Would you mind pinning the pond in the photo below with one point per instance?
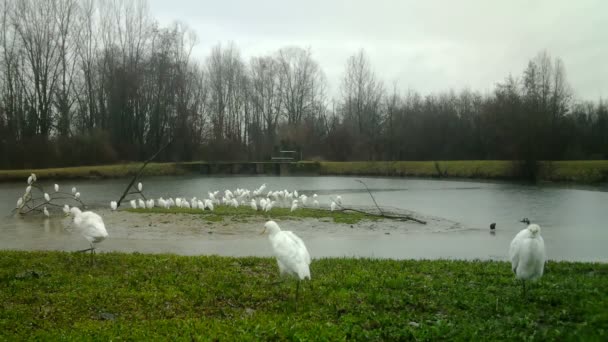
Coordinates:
(573, 219)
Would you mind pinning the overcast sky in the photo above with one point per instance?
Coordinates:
(427, 46)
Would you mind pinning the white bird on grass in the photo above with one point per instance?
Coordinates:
(200, 205)
(133, 204)
(294, 205)
(162, 203)
(332, 206)
(527, 253)
(291, 253)
(178, 202)
(113, 205)
(254, 205)
(30, 179)
(269, 206)
(91, 226)
(141, 203)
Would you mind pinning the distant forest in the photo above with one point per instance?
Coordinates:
(98, 82)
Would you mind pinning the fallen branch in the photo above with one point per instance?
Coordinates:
(372, 196)
(141, 169)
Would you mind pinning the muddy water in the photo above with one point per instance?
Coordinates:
(459, 213)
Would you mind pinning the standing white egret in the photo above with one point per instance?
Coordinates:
(141, 203)
(291, 253)
(47, 197)
(332, 206)
(209, 204)
(269, 206)
(527, 253)
(178, 202)
(133, 204)
(254, 205)
(140, 187)
(339, 200)
(30, 179)
(113, 205)
(45, 211)
(28, 189)
(73, 190)
(34, 177)
(294, 205)
(77, 195)
(56, 187)
(91, 226)
(66, 209)
(162, 203)
(20, 202)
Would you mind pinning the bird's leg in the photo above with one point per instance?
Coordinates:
(297, 291)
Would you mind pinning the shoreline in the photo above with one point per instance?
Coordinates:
(574, 171)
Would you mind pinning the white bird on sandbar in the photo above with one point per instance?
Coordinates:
(113, 205)
(91, 226)
(141, 203)
(254, 205)
(527, 253)
(291, 253)
(339, 200)
(178, 202)
(294, 205)
(133, 204)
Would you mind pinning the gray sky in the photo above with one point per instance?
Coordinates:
(427, 46)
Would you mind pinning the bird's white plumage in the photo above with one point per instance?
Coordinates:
(113, 205)
(133, 204)
(56, 187)
(527, 253)
(90, 225)
(46, 212)
(47, 197)
(77, 195)
(291, 252)
(140, 187)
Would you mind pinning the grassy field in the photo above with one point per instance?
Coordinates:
(580, 171)
(243, 213)
(59, 296)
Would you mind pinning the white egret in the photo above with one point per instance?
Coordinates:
(162, 203)
(303, 199)
(332, 206)
(201, 205)
(45, 211)
(113, 205)
(73, 190)
(254, 205)
(20, 202)
(178, 202)
(28, 189)
(294, 205)
(91, 226)
(235, 203)
(263, 203)
(269, 206)
(66, 209)
(133, 204)
(34, 177)
(209, 204)
(140, 187)
(141, 203)
(291, 253)
(150, 203)
(47, 197)
(339, 200)
(30, 179)
(527, 253)
(56, 187)
(77, 195)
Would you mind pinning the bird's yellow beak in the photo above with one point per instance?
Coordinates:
(263, 231)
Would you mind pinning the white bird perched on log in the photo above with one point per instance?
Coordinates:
(200, 204)
(47, 197)
(527, 253)
(66, 209)
(28, 189)
(91, 226)
(162, 203)
(150, 203)
(315, 203)
(56, 187)
(291, 253)
(20, 202)
(140, 187)
(113, 205)
(339, 200)
(254, 205)
(178, 202)
(45, 211)
(77, 195)
(73, 190)
(133, 204)
(30, 179)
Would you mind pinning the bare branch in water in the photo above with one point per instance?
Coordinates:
(372, 196)
(134, 179)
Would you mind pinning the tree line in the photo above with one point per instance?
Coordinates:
(96, 82)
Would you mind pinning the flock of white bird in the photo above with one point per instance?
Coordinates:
(527, 249)
(258, 199)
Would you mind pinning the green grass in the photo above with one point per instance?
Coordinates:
(580, 171)
(242, 213)
(58, 296)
